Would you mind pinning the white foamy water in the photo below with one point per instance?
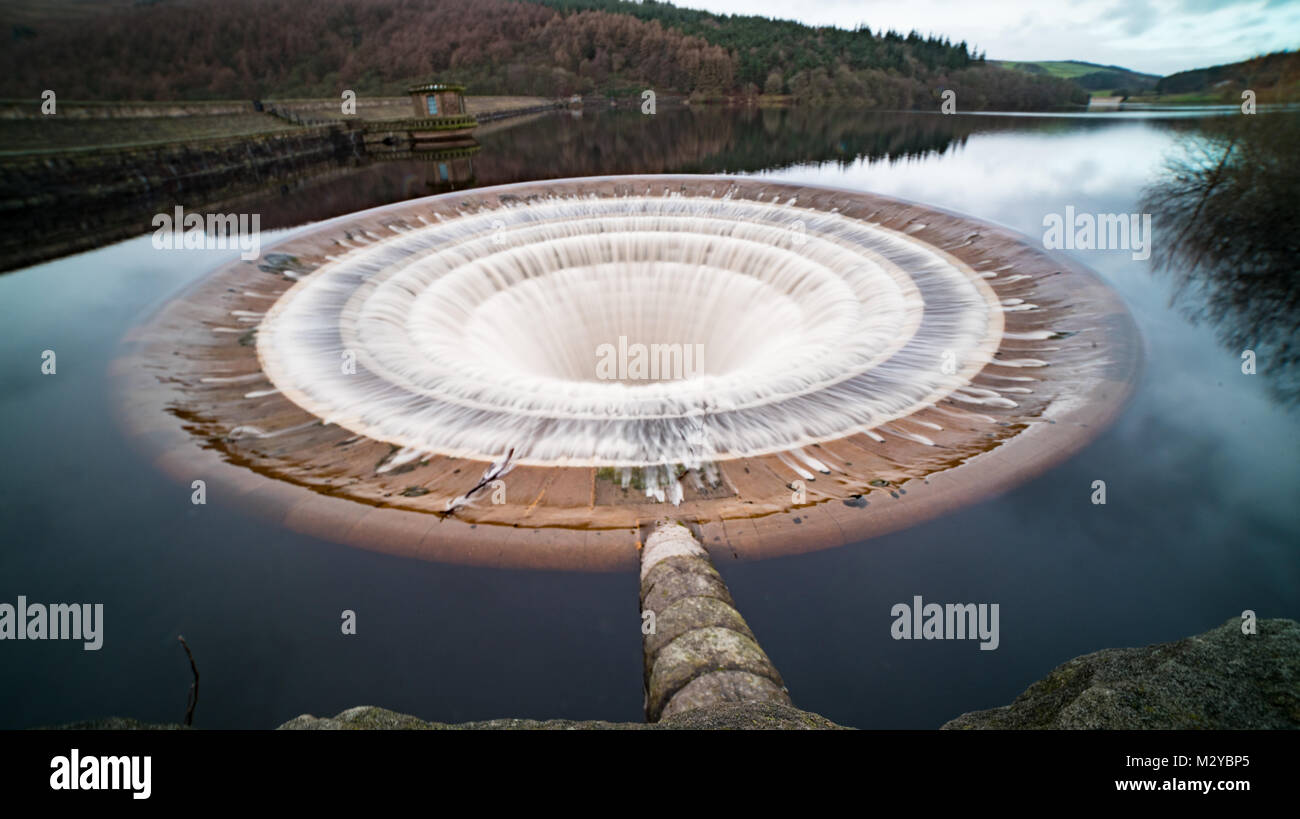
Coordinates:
(481, 335)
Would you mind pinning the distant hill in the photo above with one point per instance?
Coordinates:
(1090, 76)
(1273, 77)
(214, 49)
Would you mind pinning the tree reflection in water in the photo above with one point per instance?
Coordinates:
(1230, 238)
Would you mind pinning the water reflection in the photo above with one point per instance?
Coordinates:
(1230, 238)
(377, 179)
(71, 217)
(70, 214)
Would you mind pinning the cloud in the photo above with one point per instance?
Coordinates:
(1152, 36)
(1206, 6)
(1135, 16)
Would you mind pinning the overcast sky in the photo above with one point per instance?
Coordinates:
(1154, 36)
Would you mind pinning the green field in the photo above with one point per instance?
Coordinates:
(1098, 80)
(1065, 69)
(1190, 98)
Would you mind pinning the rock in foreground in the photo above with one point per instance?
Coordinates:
(731, 716)
(1221, 679)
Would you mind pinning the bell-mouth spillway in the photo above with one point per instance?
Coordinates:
(449, 377)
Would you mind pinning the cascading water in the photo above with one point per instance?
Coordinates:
(480, 335)
(797, 355)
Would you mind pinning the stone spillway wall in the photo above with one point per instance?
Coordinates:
(31, 109)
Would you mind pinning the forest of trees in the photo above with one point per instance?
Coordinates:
(761, 45)
(1275, 76)
(202, 49)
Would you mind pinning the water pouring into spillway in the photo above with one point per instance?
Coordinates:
(852, 363)
(480, 335)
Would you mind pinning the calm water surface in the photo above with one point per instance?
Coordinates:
(1202, 477)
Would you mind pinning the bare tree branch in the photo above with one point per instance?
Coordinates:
(193, 698)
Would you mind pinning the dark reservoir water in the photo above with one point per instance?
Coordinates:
(1202, 519)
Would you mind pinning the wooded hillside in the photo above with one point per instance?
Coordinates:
(200, 49)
